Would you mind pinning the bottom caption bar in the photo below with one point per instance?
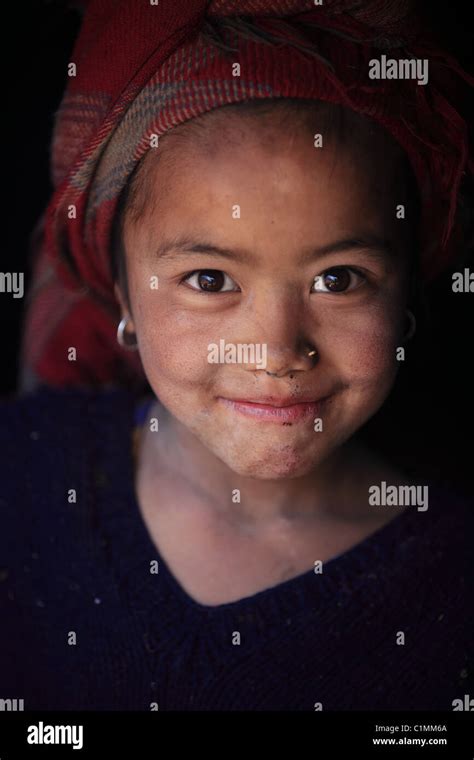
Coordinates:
(381, 734)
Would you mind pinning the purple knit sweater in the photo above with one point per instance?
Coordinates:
(84, 624)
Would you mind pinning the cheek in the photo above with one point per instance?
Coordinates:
(369, 351)
(362, 348)
(173, 344)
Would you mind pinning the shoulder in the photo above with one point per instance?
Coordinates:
(426, 552)
(32, 423)
(452, 517)
(38, 427)
(442, 530)
(440, 591)
(435, 557)
(50, 440)
(39, 406)
(56, 446)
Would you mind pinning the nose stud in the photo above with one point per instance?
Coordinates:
(312, 354)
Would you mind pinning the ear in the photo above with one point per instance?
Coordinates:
(124, 309)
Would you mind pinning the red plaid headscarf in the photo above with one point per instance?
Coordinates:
(142, 69)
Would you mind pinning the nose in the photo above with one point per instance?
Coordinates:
(286, 327)
(302, 363)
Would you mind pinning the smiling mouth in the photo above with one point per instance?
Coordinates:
(275, 410)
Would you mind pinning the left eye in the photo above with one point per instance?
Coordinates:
(210, 281)
(337, 280)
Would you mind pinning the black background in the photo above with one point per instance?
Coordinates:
(427, 423)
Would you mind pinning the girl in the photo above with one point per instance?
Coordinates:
(250, 212)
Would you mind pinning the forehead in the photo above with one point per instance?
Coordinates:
(277, 128)
(273, 154)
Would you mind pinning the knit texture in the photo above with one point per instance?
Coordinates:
(84, 568)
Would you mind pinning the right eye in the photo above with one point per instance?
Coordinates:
(210, 281)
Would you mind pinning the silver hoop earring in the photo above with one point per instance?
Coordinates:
(121, 339)
(411, 327)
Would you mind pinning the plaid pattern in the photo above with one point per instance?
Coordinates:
(143, 69)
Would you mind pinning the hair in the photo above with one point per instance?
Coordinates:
(336, 121)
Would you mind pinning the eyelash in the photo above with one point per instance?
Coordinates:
(204, 292)
(353, 270)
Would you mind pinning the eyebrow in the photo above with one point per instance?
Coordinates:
(373, 245)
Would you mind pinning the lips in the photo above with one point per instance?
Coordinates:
(274, 401)
(272, 409)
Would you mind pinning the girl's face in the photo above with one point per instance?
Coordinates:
(252, 236)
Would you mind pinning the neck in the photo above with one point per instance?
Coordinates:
(335, 490)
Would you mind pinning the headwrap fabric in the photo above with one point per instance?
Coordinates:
(143, 69)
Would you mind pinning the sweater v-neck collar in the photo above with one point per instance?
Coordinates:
(375, 558)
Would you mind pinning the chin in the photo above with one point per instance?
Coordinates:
(277, 466)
